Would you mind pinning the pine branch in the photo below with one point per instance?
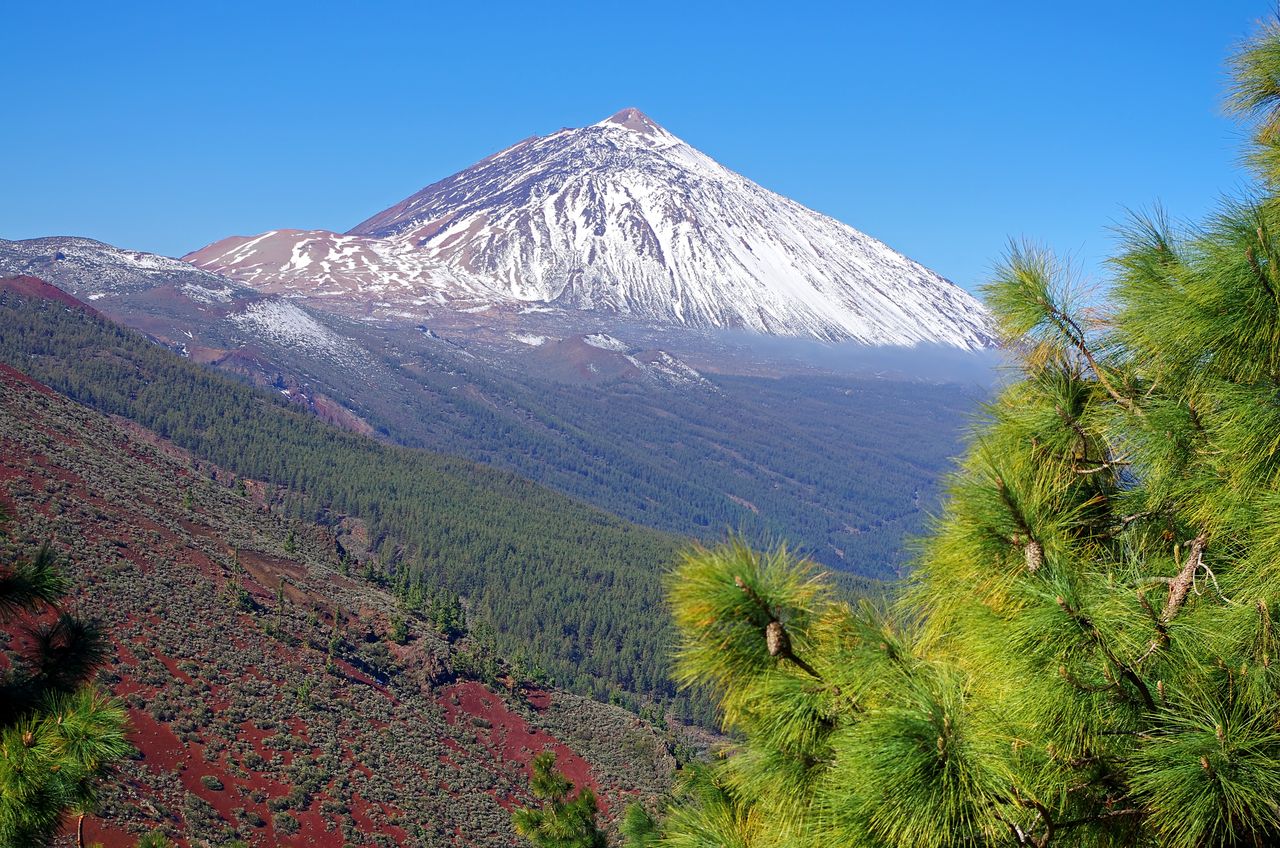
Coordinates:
(27, 586)
(1181, 584)
(1091, 630)
(1103, 465)
(1032, 549)
(1075, 334)
(1101, 817)
(1162, 632)
(1043, 812)
(1260, 275)
(1066, 675)
(776, 638)
(1015, 830)
(67, 650)
(1265, 615)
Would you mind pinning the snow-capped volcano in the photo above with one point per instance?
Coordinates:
(624, 217)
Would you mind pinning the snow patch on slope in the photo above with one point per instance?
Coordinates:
(208, 295)
(288, 326)
(604, 341)
(677, 370)
(329, 266)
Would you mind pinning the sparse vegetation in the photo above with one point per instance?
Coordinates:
(300, 724)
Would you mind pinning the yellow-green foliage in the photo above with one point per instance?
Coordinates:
(1086, 652)
(562, 820)
(59, 736)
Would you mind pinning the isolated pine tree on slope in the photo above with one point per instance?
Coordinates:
(58, 734)
(563, 820)
(1087, 653)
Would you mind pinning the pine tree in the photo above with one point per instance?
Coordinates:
(399, 632)
(448, 616)
(639, 828)
(155, 839)
(1086, 654)
(562, 820)
(58, 734)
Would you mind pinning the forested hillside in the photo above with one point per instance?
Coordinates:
(568, 588)
(272, 698)
(843, 467)
(772, 441)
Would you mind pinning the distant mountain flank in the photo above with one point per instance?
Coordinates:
(34, 287)
(677, 374)
(94, 270)
(618, 218)
(673, 428)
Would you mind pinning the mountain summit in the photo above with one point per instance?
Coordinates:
(634, 120)
(621, 217)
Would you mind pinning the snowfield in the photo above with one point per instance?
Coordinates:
(286, 325)
(606, 342)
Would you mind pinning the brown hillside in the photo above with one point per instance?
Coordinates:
(267, 703)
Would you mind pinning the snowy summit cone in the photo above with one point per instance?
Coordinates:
(624, 217)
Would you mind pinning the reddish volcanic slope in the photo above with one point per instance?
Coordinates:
(266, 702)
(28, 286)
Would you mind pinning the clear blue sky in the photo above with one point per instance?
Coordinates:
(942, 128)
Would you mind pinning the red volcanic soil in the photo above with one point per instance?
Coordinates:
(510, 737)
(255, 673)
(13, 377)
(572, 360)
(28, 286)
(97, 831)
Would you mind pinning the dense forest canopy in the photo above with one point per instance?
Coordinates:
(573, 590)
(1086, 654)
(845, 467)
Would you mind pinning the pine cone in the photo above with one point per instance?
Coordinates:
(1034, 555)
(777, 639)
